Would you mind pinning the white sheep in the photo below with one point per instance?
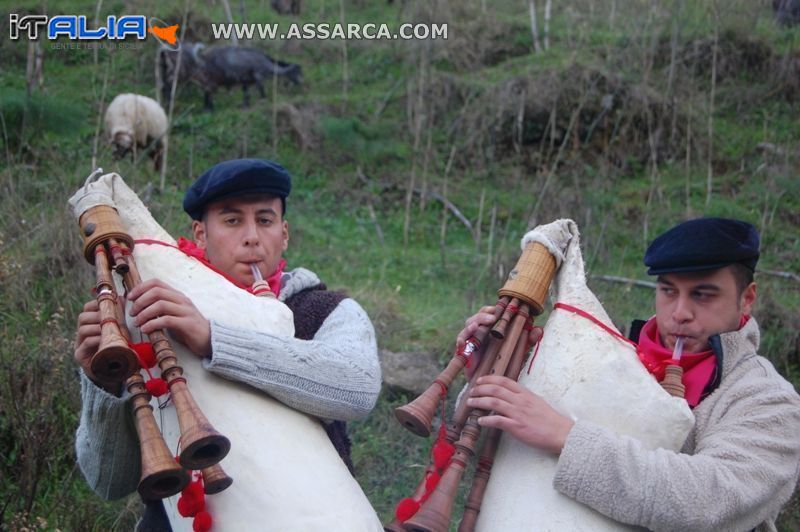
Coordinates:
(133, 122)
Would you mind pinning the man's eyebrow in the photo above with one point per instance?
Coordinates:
(707, 286)
(229, 210)
(267, 210)
(702, 286)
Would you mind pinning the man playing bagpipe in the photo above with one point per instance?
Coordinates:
(329, 369)
(739, 464)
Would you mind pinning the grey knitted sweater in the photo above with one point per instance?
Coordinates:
(334, 376)
(738, 466)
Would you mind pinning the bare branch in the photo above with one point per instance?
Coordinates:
(784, 275)
(447, 205)
(624, 280)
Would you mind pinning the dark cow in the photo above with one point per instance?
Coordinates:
(223, 66)
(191, 68)
(787, 12)
(286, 7)
(228, 66)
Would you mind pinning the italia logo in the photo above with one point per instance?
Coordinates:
(76, 27)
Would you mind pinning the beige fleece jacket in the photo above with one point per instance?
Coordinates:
(738, 466)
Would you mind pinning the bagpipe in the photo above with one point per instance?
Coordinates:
(581, 365)
(287, 474)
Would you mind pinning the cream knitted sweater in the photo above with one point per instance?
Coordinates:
(738, 466)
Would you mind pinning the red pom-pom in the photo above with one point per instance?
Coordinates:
(192, 499)
(442, 453)
(406, 509)
(431, 481)
(157, 387)
(202, 522)
(189, 507)
(194, 489)
(145, 354)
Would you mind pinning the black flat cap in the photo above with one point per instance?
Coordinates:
(237, 177)
(703, 244)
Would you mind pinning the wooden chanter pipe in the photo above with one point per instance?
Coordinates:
(215, 479)
(201, 445)
(483, 468)
(434, 514)
(161, 476)
(417, 416)
(525, 292)
(114, 360)
(462, 411)
(673, 381)
(396, 525)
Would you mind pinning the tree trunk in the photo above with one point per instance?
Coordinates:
(534, 28)
(34, 76)
(344, 55)
(229, 14)
(547, 10)
(710, 178)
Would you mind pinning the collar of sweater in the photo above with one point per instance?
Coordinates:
(739, 344)
(295, 281)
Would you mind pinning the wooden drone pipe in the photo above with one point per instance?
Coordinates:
(114, 360)
(417, 416)
(483, 469)
(434, 514)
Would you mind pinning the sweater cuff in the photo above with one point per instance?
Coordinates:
(99, 406)
(226, 344)
(105, 442)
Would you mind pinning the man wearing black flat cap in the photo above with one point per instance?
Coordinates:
(740, 463)
(329, 369)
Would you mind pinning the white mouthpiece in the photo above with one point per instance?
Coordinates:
(256, 272)
(678, 351)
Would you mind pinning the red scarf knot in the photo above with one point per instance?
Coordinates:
(193, 250)
(698, 368)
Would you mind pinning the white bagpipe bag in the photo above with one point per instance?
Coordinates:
(286, 473)
(587, 373)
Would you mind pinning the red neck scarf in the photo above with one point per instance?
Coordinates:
(193, 250)
(698, 368)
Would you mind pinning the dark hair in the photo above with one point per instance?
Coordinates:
(742, 275)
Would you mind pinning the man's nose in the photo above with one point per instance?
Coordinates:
(250, 236)
(682, 312)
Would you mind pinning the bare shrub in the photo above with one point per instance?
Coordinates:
(617, 117)
(301, 123)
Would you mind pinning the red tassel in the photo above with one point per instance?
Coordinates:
(195, 489)
(188, 507)
(406, 509)
(442, 453)
(157, 387)
(202, 522)
(145, 354)
(192, 499)
(431, 481)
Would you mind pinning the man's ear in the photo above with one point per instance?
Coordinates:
(199, 232)
(748, 299)
(285, 244)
